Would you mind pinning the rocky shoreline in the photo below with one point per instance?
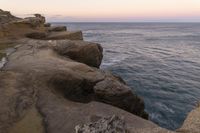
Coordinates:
(52, 83)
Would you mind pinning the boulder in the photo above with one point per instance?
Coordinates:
(120, 95)
(77, 35)
(84, 52)
(57, 28)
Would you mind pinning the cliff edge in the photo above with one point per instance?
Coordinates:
(52, 83)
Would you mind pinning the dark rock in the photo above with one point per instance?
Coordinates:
(57, 28)
(36, 35)
(115, 93)
(47, 25)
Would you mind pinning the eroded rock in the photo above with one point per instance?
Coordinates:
(85, 52)
(112, 124)
(6, 17)
(77, 35)
(57, 28)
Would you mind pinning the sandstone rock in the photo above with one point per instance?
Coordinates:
(118, 94)
(57, 28)
(47, 25)
(85, 52)
(40, 17)
(53, 86)
(6, 17)
(77, 81)
(192, 122)
(36, 35)
(34, 22)
(112, 124)
(13, 27)
(65, 35)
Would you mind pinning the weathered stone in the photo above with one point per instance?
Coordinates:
(112, 124)
(36, 35)
(77, 35)
(85, 52)
(57, 28)
(51, 86)
(34, 22)
(192, 122)
(118, 94)
(47, 25)
(6, 17)
(78, 81)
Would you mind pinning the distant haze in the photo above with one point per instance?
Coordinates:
(108, 10)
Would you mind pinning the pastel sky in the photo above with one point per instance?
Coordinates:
(108, 10)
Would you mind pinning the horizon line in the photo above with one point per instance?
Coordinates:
(123, 21)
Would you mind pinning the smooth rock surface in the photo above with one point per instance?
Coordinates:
(77, 35)
(84, 52)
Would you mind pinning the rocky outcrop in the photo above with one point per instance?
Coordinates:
(84, 52)
(57, 28)
(77, 35)
(59, 87)
(33, 27)
(51, 83)
(78, 82)
(6, 17)
(33, 22)
(47, 25)
(112, 124)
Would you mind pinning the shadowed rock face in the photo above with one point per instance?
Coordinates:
(57, 28)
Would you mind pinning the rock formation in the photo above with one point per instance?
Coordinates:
(6, 17)
(111, 124)
(52, 84)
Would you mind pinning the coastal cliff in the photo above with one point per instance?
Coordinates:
(52, 83)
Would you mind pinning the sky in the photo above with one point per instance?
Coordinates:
(107, 10)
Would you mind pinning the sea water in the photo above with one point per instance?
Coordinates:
(159, 61)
